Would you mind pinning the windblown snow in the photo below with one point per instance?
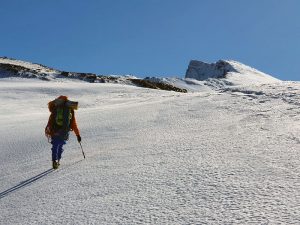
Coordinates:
(226, 152)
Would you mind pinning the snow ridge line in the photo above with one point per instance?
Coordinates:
(15, 68)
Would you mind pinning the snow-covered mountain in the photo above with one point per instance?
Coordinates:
(232, 71)
(198, 75)
(226, 152)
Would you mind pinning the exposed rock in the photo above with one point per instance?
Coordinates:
(157, 85)
(201, 71)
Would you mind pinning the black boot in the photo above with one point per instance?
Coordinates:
(55, 164)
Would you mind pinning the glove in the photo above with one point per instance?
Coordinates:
(47, 131)
(78, 138)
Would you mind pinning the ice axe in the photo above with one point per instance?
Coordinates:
(82, 150)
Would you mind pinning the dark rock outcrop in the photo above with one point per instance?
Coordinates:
(201, 71)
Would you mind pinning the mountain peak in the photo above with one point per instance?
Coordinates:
(235, 72)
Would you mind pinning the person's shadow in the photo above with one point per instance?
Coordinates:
(25, 183)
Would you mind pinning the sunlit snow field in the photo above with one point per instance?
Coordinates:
(227, 156)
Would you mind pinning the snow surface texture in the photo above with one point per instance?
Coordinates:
(219, 155)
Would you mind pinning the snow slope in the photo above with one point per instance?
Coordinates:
(216, 156)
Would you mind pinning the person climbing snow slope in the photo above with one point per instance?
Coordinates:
(61, 121)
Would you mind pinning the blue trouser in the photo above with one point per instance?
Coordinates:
(57, 149)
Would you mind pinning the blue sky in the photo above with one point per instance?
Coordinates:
(152, 37)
